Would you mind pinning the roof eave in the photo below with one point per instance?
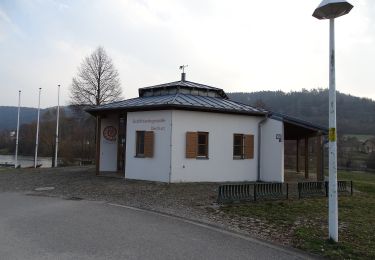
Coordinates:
(298, 122)
(96, 111)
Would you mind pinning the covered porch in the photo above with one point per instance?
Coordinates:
(303, 149)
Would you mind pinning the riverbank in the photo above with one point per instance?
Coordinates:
(297, 223)
(26, 161)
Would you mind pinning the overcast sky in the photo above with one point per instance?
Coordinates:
(240, 46)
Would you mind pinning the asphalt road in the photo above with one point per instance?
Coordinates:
(37, 227)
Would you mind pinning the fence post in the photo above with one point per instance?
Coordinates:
(351, 188)
(287, 191)
(326, 184)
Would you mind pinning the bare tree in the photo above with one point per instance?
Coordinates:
(97, 81)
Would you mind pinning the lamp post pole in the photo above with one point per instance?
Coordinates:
(331, 9)
(332, 203)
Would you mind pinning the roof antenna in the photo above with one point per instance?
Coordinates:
(183, 74)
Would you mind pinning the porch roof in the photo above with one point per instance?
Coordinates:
(295, 128)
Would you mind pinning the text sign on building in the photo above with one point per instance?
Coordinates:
(155, 124)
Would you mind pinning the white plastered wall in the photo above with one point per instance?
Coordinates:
(108, 149)
(272, 151)
(158, 167)
(220, 167)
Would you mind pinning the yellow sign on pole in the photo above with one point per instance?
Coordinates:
(332, 135)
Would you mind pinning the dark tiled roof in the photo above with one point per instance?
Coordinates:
(193, 96)
(182, 84)
(180, 101)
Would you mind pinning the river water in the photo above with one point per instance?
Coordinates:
(26, 161)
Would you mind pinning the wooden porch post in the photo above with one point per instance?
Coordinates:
(98, 135)
(297, 156)
(306, 157)
(319, 157)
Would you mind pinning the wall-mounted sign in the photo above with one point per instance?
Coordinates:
(110, 133)
(157, 128)
(279, 137)
(148, 121)
(152, 124)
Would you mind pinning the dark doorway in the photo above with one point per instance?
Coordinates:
(121, 147)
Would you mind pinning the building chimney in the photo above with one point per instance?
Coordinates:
(183, 75)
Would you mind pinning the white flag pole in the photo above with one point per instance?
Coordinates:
(57, 124)
(37, 133)
(18, 128)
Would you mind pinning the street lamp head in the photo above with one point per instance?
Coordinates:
(330, 9)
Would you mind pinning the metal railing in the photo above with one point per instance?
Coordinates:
(271, 191)
(235, 192)
(252, 191)
(312, 188)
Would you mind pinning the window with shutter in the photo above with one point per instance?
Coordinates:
(243, 146)
(144, 144)
(196, 145)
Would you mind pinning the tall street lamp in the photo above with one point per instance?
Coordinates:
(331, 9)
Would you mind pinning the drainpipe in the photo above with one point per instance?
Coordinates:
(259, 142)
(170, 148)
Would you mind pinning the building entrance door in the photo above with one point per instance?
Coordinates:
(121, 146)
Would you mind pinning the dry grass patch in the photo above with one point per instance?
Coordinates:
(306, 220)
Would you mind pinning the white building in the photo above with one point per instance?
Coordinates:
(188, 132)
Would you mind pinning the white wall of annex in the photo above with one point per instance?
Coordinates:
(108, 149)
(158, 167)
(220, 167)
(272, 151)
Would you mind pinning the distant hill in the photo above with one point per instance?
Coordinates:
(8, 116)
(354, 115)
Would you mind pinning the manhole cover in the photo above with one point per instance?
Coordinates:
(73, 198)
(44, 188)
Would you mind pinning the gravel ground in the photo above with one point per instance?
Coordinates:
(196, 201)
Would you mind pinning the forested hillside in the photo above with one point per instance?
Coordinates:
(76, 135)
(354, 115)
(8, 116)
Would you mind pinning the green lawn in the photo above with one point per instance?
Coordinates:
(306, 220)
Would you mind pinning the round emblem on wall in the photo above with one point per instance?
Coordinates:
(110, 133)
